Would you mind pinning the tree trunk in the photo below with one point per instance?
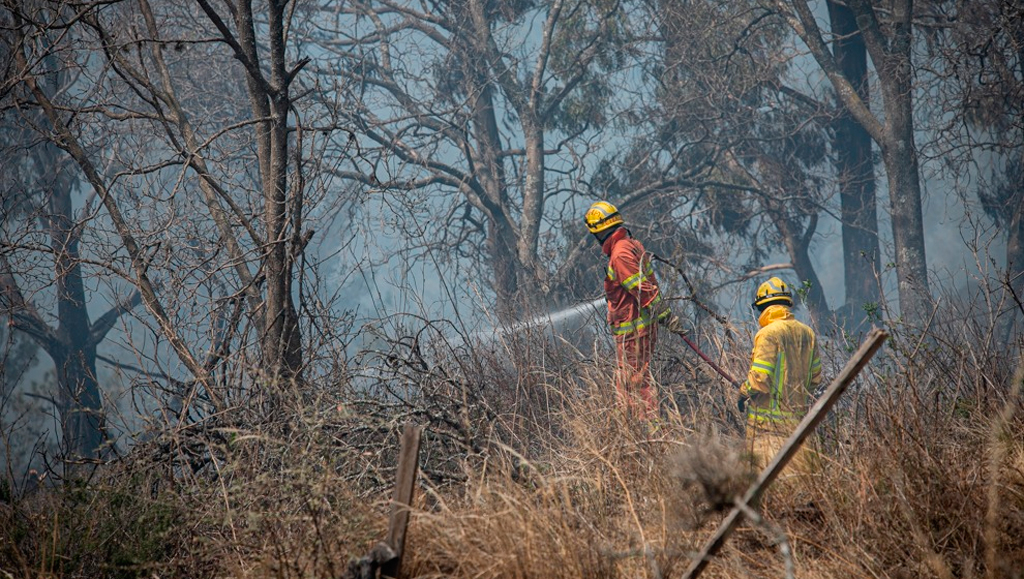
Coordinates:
(1015, 257)
(73, 352)
(889, 49)
(282, 347)
(534, 272)
(281, 343)
(817, 305)
(78, 400)
(501, 237)
(74, 356)
(899, 153)
(797, 247)
(511, 287)
(852, 146)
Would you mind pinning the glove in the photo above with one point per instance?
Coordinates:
(741, 403)
(673, 324)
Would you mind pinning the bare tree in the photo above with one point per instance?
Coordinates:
(196, 177)
(39, 228)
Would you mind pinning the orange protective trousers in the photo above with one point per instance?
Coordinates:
(634, 383)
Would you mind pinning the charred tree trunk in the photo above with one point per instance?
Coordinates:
(72, 343)
(79, 403)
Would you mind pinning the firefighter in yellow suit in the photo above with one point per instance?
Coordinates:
(785, 370)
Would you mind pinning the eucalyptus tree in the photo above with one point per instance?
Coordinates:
(471, 116)
(887, 30)
(182, 122)
(854, 164)
(976, 120)
(751, 142)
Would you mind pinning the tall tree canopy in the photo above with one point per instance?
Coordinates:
(474, 115)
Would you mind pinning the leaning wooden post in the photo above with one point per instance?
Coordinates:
(401, 502)
(814, 416)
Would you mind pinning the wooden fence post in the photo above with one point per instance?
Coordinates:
(814, 416)
(401, 502)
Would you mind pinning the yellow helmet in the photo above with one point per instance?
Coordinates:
(601, 216)
(774, 291)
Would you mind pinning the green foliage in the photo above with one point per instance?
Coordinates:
(873, 310)
(585, 108)
(804, 289)
(600, 26)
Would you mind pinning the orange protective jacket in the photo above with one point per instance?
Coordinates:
(630, 286)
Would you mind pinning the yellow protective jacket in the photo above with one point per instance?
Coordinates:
(784, 371)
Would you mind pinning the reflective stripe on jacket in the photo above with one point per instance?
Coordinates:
(630, 286)
(784, 371)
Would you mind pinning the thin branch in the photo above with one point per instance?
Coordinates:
(251, 67)
(23, 313)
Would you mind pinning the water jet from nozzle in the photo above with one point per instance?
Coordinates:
(547, 319)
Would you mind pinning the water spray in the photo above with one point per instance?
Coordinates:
(546, 319)
(576, 310)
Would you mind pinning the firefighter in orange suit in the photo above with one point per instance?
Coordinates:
(785, 370)
(635, 308)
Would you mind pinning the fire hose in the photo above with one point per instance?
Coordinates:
(720, 318)
(741, 403)
(710, 362)
(693, 294)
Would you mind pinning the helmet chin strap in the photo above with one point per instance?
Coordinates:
(603, 235)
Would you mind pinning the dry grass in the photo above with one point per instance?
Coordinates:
(530, 470)
(921, 477)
